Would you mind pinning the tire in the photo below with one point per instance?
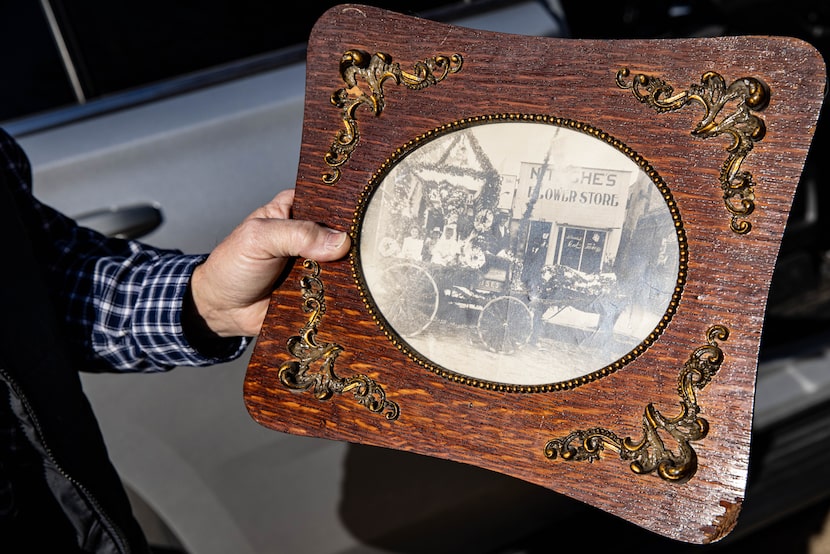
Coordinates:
(505, 324)
(410, 298)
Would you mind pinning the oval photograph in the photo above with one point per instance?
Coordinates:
(520, 253)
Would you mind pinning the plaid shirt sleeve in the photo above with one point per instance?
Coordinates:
(120, 301)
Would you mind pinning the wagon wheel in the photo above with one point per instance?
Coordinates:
(408, 299)
(505, 324)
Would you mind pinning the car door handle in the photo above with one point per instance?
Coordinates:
(125, 222)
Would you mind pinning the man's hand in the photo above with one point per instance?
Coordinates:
(231, 290)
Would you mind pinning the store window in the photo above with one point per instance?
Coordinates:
(581, 249)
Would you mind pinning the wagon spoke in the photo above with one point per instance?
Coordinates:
(408, 298)
(505, 324)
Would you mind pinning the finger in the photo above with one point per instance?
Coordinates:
(278, 207)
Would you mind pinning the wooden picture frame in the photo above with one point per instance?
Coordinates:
(606, 218)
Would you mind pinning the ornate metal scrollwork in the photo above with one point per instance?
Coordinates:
(298, 375)
(746, 95)
(375, 70)
(650, 453)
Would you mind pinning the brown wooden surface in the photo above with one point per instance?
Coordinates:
(728, 275)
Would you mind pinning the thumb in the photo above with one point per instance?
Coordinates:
(291, 238)
(230, 290)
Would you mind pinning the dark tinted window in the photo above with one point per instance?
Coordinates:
(119, 45)
(33, 77)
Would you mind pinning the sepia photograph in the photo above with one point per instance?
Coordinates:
(516, 252)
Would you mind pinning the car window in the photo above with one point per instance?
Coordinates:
(60, 53)
(34, 78)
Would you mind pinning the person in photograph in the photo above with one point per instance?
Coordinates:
(429, 244)
(447, 248)
(413, 245)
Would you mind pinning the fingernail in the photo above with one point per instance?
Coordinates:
(335, 240)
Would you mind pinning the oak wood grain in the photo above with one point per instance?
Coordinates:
(728, 273)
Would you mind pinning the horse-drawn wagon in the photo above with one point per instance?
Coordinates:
(505, 311)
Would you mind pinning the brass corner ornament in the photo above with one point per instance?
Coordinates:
(651, 453)
(745, 96)
(375, 70)
(324, 383)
